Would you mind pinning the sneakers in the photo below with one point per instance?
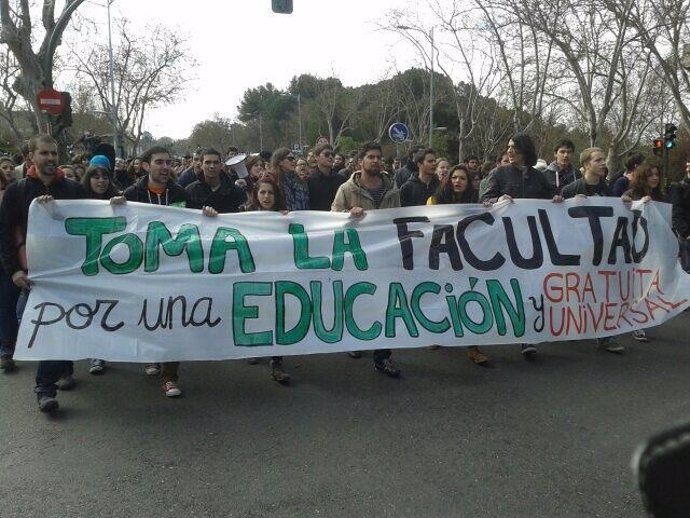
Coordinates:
(47, 404)
(476, 356)
(152, 369)
(7, 364)
(65, 383)
(253, 361)
(171, 389)
(610, 345)
(355, 354)
(278, 374)
(387, 368)
(97, 366)
(640, 336)
(529, 351)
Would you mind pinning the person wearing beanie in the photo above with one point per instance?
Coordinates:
(100, 161)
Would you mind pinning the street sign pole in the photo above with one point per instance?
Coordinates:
(664, 170)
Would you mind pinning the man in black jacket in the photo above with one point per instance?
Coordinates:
(324, 180)
(44, 182)
(158, 188)
(214, 188)
(518, 180)
(593, 183)
(680, 198)
(422, 185)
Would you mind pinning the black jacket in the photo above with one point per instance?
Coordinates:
(404, 173)
(564, 177)
(415, 192)
(227, 198)
(322, 189)
(580, 187)
(14, 213)
(680, 213)
(517, 184)
(174, 194)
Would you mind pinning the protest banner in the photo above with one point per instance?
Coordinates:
(152, 283)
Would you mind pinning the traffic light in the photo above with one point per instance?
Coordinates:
(658, 146)
(282, 6)
(66, 115)
(670, 135)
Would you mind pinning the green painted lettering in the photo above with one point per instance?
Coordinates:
(187, 239)
(299, 331)
(399, 308)
(220, 246)
(301, 250)
(93, 229)
(241, 313)
(351, 246)
(500, 302)
(136, 254)
(415, 302)
(335, 333)
(354, 291)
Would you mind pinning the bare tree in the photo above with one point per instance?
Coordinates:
(524, 56)
(149, 71)
(456, 53)
(12, 107)
(36, 67)
(412, 94)
(379, 108)
(337, 105)
(599, 70)
(663, 28)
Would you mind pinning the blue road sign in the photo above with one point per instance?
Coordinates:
(399, 132)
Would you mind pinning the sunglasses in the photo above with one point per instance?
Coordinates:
(327, 154)
(290, 158)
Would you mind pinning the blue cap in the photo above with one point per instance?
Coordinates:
(100, 161)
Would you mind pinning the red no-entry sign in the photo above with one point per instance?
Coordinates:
(50, 101)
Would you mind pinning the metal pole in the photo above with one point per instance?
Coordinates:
(261, 132)
(299, 118)
(113, 108)
(664, 169)
(431, 92)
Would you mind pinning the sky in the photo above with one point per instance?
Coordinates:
(241, 44)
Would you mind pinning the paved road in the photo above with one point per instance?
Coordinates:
(546, 439)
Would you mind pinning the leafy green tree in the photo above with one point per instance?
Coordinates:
(268, 107)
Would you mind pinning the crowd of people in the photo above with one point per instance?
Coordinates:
(323, 180)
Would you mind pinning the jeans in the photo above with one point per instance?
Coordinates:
(9, 323)
(684, 252)
(169, 371)
(381, 354)
(48, 371)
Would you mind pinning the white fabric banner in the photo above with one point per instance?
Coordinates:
(150, 283)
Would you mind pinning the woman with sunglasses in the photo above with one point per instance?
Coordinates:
(295, 192)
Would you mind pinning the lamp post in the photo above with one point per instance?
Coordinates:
(431, 91)
(113, 108)
(299, 118)
(431, 68)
